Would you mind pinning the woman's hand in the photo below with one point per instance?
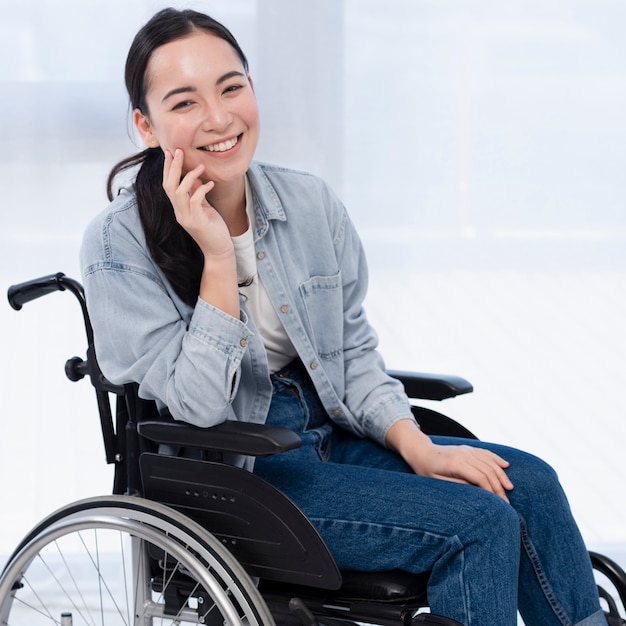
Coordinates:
(463, 464)
(218, 283)
(191, 208)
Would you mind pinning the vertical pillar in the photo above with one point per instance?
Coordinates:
(300, 84)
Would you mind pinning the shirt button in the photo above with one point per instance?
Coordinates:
(284, 308)
(243, 343)
(260, 255)
(313, 365)
(336, 412)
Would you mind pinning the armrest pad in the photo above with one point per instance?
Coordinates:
(431, 386)
(230, 436)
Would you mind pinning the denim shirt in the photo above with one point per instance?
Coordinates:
(206, 366)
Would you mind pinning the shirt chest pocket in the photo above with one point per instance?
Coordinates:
(323, 301)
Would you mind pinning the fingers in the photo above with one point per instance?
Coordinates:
(473, 466)
(485, 469)
(176, 186)
(186, 193)
(173, 168)
(172, 172)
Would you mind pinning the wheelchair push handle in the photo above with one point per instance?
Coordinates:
(76, 368)
(22, 293)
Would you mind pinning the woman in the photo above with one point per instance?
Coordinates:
(230, 289)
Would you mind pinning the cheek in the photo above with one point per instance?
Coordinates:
(191, 160)
(249, 112)
(180, 137)
(253, 115)
(175, 136)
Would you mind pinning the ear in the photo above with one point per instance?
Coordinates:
(144, 128)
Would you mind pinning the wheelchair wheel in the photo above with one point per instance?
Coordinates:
(122, 560)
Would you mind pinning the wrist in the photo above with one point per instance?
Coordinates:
(218, 284)
(405, 436)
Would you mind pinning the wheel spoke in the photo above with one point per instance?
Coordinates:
(77, 561)
(70, 573)
(41, 608)
(102, 583)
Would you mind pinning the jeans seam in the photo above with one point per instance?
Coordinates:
(401, 528)
(545, 586)
(467, 608)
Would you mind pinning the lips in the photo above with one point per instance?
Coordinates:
(221, 146)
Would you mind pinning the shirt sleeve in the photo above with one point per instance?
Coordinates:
(374, 399)
(185, 358)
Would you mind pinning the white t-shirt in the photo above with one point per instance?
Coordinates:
(280, 350)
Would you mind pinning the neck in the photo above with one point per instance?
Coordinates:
(229, 200)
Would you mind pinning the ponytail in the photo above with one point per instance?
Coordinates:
(170, 246)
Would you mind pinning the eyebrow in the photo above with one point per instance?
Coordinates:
(229, 75)
(174, 92)
(220, 80)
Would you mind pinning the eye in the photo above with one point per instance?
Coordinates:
(182, 105)
(232, 88)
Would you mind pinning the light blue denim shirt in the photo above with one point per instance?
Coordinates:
(206, 366)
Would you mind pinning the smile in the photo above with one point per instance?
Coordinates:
(222, 146)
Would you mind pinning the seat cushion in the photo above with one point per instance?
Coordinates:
(391, 586)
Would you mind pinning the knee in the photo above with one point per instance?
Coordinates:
(535, 482)
(541, 471)
(497, 523)
(502, 520)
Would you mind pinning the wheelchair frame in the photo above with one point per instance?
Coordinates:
(195, 555)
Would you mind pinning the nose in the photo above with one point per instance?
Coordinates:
(216, 118)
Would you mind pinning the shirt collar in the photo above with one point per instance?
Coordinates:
(267, 204)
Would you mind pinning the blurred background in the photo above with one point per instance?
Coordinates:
(480, 149)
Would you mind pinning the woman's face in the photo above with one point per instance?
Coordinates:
(200, 99)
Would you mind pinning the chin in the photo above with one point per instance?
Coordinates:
(227, 175)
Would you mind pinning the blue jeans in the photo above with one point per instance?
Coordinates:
(487, 558)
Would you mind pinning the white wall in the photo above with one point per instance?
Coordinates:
(480, 148)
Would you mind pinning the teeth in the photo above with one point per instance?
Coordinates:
(222, 146)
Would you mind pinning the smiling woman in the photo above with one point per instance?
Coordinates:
(203, 116)
(494, 153)
(195, 108)
(229, 289)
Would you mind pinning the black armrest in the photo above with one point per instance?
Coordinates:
(432, 386)
(238, 437)
(263, 440)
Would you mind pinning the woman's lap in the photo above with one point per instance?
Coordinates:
(353, 488)
(370, 507)
(376, 514)
(375, 519)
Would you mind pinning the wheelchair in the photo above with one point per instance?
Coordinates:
(192, 540)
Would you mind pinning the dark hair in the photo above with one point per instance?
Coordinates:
(171, 247)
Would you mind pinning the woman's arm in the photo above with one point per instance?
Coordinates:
(464, 464)
(187, 358)
(379, 402)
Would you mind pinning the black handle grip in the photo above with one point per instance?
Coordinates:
(32, 289)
